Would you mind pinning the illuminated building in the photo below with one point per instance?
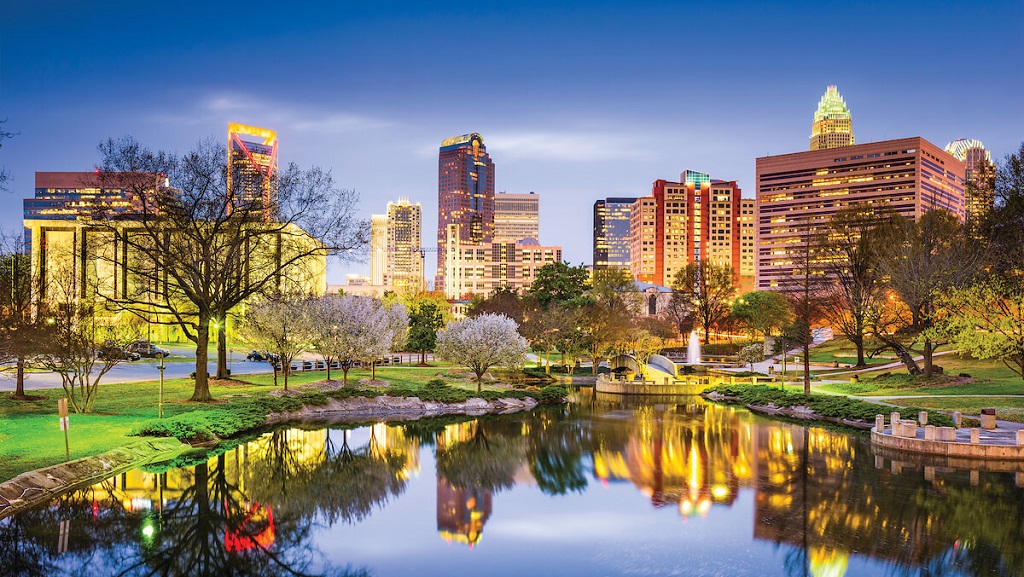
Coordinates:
(831, 128)
(378, 248)
(696, 219)
(642, 217)
(611, 232)
(516, 217)
(461, 512)
(479, 268)
(979, 173)
(396, 257)
(73, 195)
(797, 194)
(465, 194)
(252, 170)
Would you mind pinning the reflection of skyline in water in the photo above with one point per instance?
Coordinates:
(268, 505)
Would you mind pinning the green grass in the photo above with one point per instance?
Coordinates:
(1007, 408)
(30, 436)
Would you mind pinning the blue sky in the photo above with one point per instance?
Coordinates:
(576, 100)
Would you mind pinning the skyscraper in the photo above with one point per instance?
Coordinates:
(798, 193)
(516, 217)
(252, 170)
(404, 267)
(465, 195)
(831, 128)
(378, 248)
(611, 232)
(979, 173)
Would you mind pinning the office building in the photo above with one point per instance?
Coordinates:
(378, 248)
(404, 259)
(611, 232)
(798, 193)
(252, 170)
(465, 194)
(979, 173)
(480, 268)
(831, 127)
(516, 217)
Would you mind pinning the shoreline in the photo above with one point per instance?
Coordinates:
(35, 488)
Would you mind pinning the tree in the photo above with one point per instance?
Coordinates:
(482, 342)
(19, 330)
(560, 283)
(763, 311)
(368, 331)
(504, 301)
(804, 289)
(277, 324)
(642, 345)
(709, 288)
(752, 354)
(323, 321)
(986, 320)
(614, 304)
(1005, 225)
(853, 245)
(76, 344)
(4, 174)
(199, 250)
(426, 317)
(927, 258)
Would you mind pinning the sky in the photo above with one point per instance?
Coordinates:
(576, 101)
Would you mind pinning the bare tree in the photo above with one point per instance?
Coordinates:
(326, 325)
(804, 289)
(615, 303)
(5, 175)
(368, 331)
(78, 345)
(851, 249)
(19, 329)
(708, 287)
(927, 258)
(198, 250)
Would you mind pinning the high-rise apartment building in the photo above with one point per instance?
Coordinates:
(465, 194)
(404, 266)
(979, 173)
(611, 232)
(696, 219)
(642, 234)
(252, 170)
(832, 127)
(378, 248)
(516, 217)
(480, 268)
(797, 194)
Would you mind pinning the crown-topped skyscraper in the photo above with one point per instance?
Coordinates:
(831, 128)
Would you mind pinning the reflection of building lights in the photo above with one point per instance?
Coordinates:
(719, 491)
(703, 507)
(148, 530)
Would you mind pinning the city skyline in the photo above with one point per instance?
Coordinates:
(575, 117)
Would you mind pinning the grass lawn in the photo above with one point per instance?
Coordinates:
(985, 378)
(30, 436)
(1007, 408)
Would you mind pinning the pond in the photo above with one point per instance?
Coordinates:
(602, 486)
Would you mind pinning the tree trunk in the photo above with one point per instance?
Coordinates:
(479, 383)
(929, 348)
(807, 367)
(201, 392)
(860, 352)
(904, 355)
(19, 387)
(327, 362)
(373, 370)
(222, 348)
(287, 368)
(344, 372)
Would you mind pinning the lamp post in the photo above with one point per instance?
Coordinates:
(161, 403)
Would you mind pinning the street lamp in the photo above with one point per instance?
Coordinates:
(161, 366)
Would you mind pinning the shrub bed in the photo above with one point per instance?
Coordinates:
(831, 406)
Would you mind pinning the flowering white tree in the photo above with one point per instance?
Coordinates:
(276, 324)
(482, 342)
(368, 330)
(324, 317)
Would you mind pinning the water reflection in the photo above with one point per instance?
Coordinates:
(823, 503)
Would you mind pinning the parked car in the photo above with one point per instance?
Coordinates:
(148, 350)
(262, 357)
(109, 351)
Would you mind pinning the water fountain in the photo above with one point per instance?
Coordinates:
(693, 349)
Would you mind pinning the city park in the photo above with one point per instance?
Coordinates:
(927, 318)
